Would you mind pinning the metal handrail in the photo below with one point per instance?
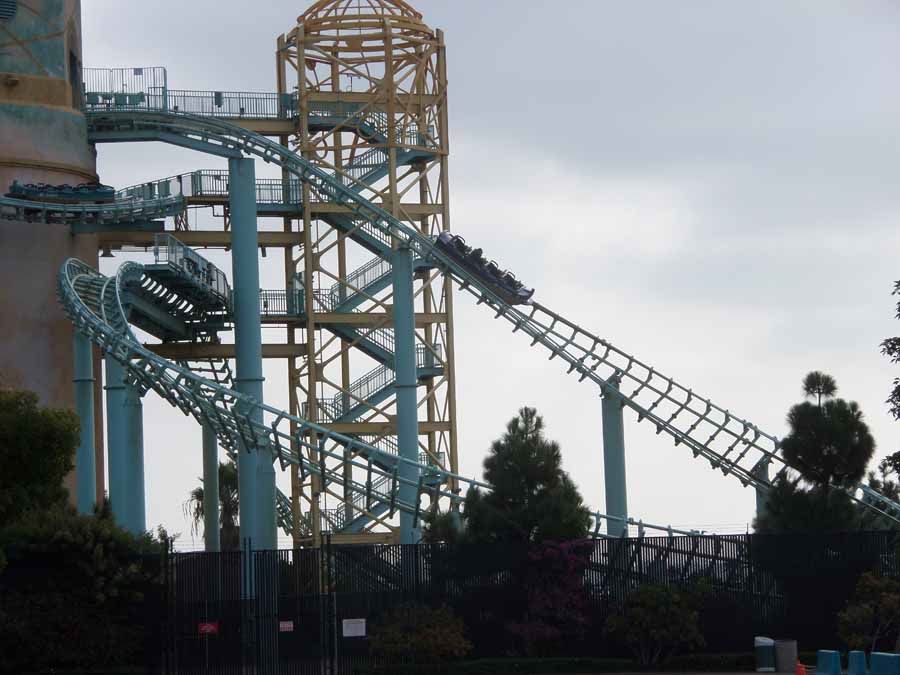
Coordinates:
(362, 277)
(167, 250)
(366, 386)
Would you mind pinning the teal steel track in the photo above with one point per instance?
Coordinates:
(729, 443)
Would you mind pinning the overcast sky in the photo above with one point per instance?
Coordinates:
(713, 186)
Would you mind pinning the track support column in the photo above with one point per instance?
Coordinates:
(256, 475)
(614, 460)
(134, 461)
(210, 490)
(761, 471)
(85, 459)
(405, 383)
(116, 440)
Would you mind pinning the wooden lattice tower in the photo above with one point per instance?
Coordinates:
(370, 78)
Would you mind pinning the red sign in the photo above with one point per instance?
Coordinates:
(285, 626)
(209, 628)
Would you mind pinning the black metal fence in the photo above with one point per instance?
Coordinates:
(299, 611)
(295, 611)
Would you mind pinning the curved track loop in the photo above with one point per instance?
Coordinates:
(93, 303)
(729, 443)
(115, 213)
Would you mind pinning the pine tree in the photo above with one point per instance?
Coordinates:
(531, 498)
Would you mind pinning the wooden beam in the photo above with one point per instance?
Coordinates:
(356, 318)
(373, 96)
(217, 238)
(383, 428)
(265, 127)
(365, 537)
(189, 351)
(375, 318)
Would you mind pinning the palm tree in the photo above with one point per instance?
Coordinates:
(230, 537)
(819, 385)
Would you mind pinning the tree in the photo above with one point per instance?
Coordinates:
(656, 622)
(441, 527)
(74, 594)
(556, 603)
(885, 481)
(829, 443)
(230, 538)
(891, 348)
(37, 447)
(790, 508)
(873, 614)
(818, 384)
(531, 498)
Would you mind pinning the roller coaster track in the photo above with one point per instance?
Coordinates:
(729, 443)
(94, 303)
(121, 211)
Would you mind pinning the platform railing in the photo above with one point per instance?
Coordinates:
(167, 250)
(362, 277)
(277, 303)
(357, 115)
(366, 386)
(147, 89)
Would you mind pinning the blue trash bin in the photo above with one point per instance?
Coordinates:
(828, 662)
(856, 663)
(764, 649)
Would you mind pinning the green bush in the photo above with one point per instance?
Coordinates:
(872, 617)
(73, 593)
(655, 624)
(420, 633)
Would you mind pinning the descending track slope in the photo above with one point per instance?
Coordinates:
(734, 445)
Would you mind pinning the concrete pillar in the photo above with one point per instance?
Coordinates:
(210, 490)
(761, 471)
(134, 465)
(116, 440)
(614, 460)
(85, 460)
(256, 475)
(405, 384)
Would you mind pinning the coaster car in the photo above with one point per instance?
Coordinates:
(502, 282)
(83, 193)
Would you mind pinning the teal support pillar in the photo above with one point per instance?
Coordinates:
(256, 475)
(117, 440)
(761, 471)
(614, 461)
(405, 385)
(210, 490)
(134, 465)
(85, 457)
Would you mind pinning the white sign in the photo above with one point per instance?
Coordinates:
(354, 628)
(286, 626)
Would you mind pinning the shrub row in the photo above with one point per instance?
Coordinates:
(740, 662)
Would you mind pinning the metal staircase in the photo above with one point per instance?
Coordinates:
(369, 390)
